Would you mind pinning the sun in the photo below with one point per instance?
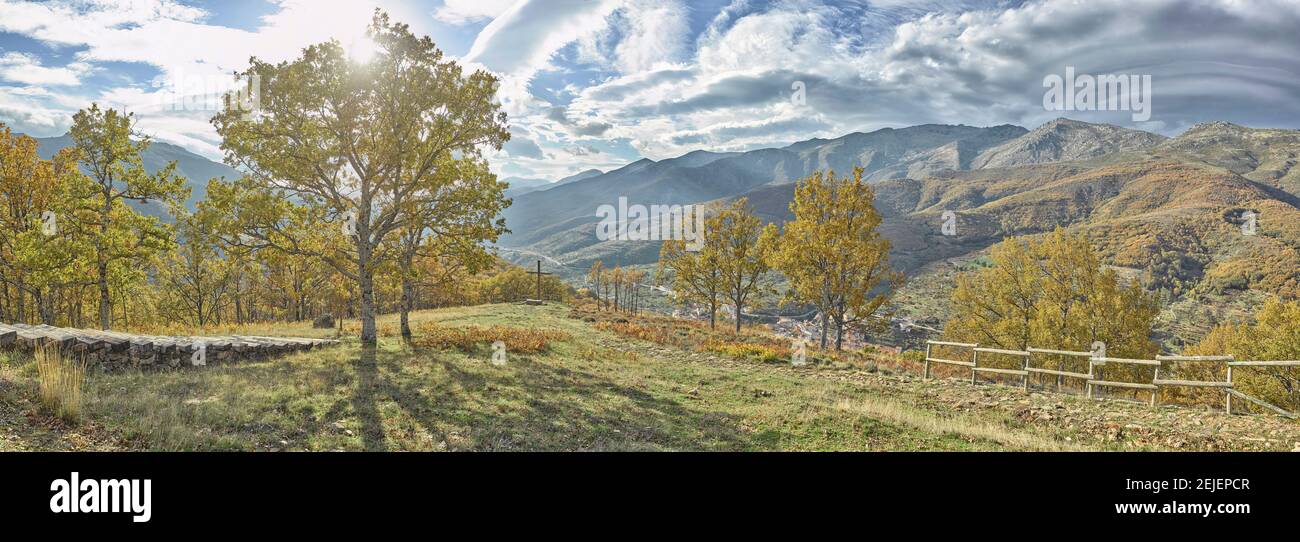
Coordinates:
(361, 50)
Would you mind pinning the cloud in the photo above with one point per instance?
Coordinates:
(461, 12)
(867, 66)
(520, 146)
(664, 77)
(169, 36)
(522, 40)
(27, 69)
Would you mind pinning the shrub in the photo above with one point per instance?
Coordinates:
(60, 382)
(750, 351)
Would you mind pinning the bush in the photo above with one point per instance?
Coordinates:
(1275, 336)
(750, 351)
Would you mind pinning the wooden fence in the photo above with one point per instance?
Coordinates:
(1096, 364)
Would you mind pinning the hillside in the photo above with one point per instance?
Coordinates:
(591, 389)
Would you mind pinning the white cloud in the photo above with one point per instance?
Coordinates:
(870, 66)
(468, 11)
(171, 37)
(27, 69)
(653, 33)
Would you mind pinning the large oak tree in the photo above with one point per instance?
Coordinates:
(335, 140)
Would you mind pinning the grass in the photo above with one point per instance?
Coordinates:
(587, 389)
(60, 379)
(469, 338)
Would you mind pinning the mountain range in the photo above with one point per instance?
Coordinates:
(522, 185)
(1165, 210)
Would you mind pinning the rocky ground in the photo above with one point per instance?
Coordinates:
(1126, 424)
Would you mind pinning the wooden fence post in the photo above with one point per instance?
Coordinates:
(975, 362)
(1025, 367)
(1227, 406)
(926, 373)
(1092, 374)
(1154, 382)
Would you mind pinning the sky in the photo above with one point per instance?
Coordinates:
(601, 83)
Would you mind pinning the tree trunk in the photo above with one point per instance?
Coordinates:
(105, 302)
(839, 334)
(408, 303)
(738, 309)
(22, 302)
(46, 308)
(713, 312)
(825, 326)
(368, 334)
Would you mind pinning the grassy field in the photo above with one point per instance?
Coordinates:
(596, 390)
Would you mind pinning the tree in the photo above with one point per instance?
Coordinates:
(595, 276)
(361, 144)
(513, 283)
(462, 214)
(743, 246)
(1273, 335)
(833, 254)
(196, 277)
(104, 146)
(1056, 293)
(41, 251)
(696, 276)
(635, 281)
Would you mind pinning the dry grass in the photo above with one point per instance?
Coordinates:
(753, 343)
(750, 351)
(961, 426)
(468, 338)
(60, 381)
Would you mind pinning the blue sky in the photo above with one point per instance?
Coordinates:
(599, 83)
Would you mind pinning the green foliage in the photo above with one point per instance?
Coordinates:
(514, 283)
(109, 151)
(1275, 335)
(833, 253)
(380, 145)
(1052, 293)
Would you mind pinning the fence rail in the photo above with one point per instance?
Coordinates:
(1091, 378)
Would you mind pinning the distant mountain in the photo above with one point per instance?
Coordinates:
(1268, 156)
(1064, 140)
(521, 185)
(702, 176)
(196, 169)
(579, 176)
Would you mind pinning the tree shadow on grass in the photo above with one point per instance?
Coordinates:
(364, 404)
(530, 405)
